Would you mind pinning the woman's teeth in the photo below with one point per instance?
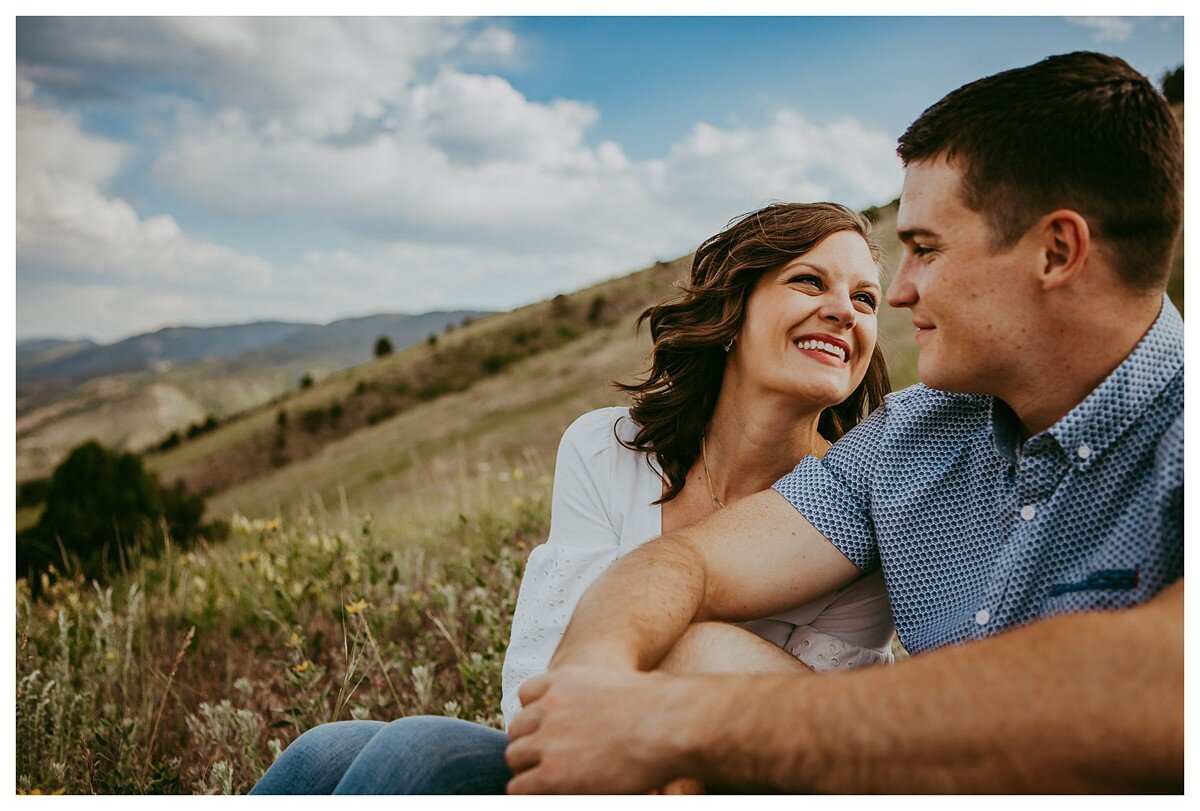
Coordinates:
(829, 349)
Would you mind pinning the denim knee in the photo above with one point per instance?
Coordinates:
(430, 755)
(315, 762)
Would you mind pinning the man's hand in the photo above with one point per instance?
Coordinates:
(593, 730)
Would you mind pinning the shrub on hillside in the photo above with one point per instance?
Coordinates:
(1172, 85)
(103, 511)
(198, 428)
(383, 346)
(32, 493)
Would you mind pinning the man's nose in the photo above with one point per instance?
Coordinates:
(902, 292)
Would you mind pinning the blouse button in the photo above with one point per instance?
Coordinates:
(1028, 512)
(1084, 451)
(982, 616)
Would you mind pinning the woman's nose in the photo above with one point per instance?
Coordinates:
(840, 310)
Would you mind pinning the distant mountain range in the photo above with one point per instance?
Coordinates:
(132, 393)
(349, 341)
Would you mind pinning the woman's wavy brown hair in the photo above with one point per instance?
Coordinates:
(675, 403)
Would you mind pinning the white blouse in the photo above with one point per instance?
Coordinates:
(601, 508)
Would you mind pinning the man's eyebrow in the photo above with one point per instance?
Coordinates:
(908, 233)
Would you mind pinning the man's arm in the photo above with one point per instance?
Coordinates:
(1081, 702)
(755, 558)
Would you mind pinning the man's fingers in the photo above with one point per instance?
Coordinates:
(526, 722)
(522, 755)
(524, 783)
(533, 689)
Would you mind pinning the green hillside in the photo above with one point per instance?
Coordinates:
(415, 431)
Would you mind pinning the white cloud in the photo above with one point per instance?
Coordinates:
(1107, 29)
(480, 119)
(451, 188)
(68, 224)
(315, 76)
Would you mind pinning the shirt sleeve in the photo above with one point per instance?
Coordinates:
(581, 545)
(834, 492)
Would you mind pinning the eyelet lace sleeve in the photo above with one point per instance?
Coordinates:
(581, 545)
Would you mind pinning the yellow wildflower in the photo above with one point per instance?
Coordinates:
(294, 640)
(110, 656)
(273, 525)
(393, 608)
(418, 596)
(302, 667)
(249, 557)
(356, 607)
(521, 545)
(518, 474)
(518, 502)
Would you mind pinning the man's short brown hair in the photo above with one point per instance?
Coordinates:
(1082, 131)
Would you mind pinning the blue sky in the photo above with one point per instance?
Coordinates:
(208, 171)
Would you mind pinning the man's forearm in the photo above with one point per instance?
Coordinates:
(635, 611)
(1088, 702)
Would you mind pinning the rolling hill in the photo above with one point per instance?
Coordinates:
(428, 430)
(133, 393)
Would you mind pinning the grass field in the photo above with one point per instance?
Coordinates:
(190, 673)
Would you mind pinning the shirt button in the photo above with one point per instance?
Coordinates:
(1084, 451)
(1028, 512)
(982, 616)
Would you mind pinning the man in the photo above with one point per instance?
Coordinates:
(1034, 480)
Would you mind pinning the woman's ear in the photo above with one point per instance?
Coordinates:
(1066, 240)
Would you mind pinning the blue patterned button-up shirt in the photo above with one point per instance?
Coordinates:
(977, 532)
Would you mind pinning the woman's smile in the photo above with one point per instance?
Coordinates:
(824, 349)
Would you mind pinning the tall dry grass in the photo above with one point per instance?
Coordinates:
(190, 674)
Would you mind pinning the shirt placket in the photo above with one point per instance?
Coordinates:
(1038, 470)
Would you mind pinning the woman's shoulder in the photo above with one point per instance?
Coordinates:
(599, 430)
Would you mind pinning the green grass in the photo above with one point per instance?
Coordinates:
(190, 673)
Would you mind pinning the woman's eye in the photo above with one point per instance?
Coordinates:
(806, 278)
(868, 299)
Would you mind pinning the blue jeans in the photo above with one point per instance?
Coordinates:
(423, 754)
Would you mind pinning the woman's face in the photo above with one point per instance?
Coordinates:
(811, 324)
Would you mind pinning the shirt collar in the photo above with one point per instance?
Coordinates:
(1090, 428)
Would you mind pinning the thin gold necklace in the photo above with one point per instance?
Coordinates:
(708, 477)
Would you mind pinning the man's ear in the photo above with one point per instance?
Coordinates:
(1066, 241)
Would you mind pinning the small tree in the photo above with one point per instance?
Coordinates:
(596, 310)
(306, 382)
(383, 347)
(1172, 85)
(102, 509)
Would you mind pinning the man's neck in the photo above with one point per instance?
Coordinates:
(1072, 362)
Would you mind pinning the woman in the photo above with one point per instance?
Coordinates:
(768, 355)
